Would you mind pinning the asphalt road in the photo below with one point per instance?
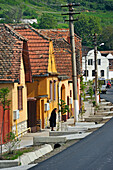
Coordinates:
(95, 152)
(109, 95)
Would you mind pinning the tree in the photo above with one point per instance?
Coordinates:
(86, 26)
(13, 15)
(47, 21)
(5, 103)
(107, 37)
(63, 109)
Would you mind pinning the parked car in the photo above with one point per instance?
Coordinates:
(103, 84)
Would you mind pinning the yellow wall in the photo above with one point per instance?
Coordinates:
(22, 113)
(41, 87)
(51, 61)
(13, 96)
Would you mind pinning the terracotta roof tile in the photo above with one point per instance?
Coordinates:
(38, 48)
(61, 39)
(10, 55)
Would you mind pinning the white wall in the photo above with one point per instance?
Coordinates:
(104, 65)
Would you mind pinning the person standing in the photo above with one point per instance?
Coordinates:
(53, 119)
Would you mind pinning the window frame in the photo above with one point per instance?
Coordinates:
(90, 62)
(20, 97)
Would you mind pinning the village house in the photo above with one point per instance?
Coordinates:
(62, 52)
(88, 66)
(109, 56)
(42, 94)
(48, 73)
(13, 76)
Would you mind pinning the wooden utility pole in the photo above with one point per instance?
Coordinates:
(96, 71)
(73, 58)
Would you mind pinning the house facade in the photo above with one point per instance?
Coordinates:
(12, 75)
(42, 93)
(109, 55)
(62, 51)
(88, 66)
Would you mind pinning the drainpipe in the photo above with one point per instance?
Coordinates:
(59, 115)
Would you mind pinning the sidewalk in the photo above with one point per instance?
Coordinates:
(80, 126)
(27, 139)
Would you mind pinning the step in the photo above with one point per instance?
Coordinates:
(102, 100)
(97, 119)
(105, 103)
(107, 108)
(77, 136)
(61, 133)
(105, 113)
(39, 140)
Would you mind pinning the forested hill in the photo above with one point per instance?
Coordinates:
(16, 9)
(96, 16)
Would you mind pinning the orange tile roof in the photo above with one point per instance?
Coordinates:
(61, 39)
(10, 55)
(38, 49)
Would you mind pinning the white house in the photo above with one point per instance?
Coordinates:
(110, 58)
(88, 66)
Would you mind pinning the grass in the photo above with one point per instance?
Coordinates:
(16, 154)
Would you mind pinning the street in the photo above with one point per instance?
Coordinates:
(95, 152)
(109, 95)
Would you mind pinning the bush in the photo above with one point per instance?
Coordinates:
(11, 142)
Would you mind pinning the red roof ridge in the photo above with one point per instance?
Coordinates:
(38, 31)
(15, 33)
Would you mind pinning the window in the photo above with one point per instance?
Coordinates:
(86, 72)
(70, 93)
(54, 89)
(90, 61)
(99, 61)
(102, 73)
(93, 72)
(51, 90)
(20, 98)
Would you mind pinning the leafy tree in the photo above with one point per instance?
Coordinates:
(86, 26)
(5, 103)
(63, 109)
(82, 87)
(47, 21)
(107, 37)
(13, 15)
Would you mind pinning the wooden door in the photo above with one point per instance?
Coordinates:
(32, 120)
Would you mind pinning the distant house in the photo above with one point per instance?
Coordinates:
(88, 66)
(29, 21)
(109, 56)
(13, 74)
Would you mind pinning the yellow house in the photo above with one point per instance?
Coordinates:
(62, 52)
(12, 75)
(42, 93)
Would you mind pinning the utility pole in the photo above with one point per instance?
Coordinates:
(86, 67)
(96, 71)
(73, 58)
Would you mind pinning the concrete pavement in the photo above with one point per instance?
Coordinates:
(80, 130)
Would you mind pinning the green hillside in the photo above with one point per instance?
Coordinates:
(35, 8)
(96, 16)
